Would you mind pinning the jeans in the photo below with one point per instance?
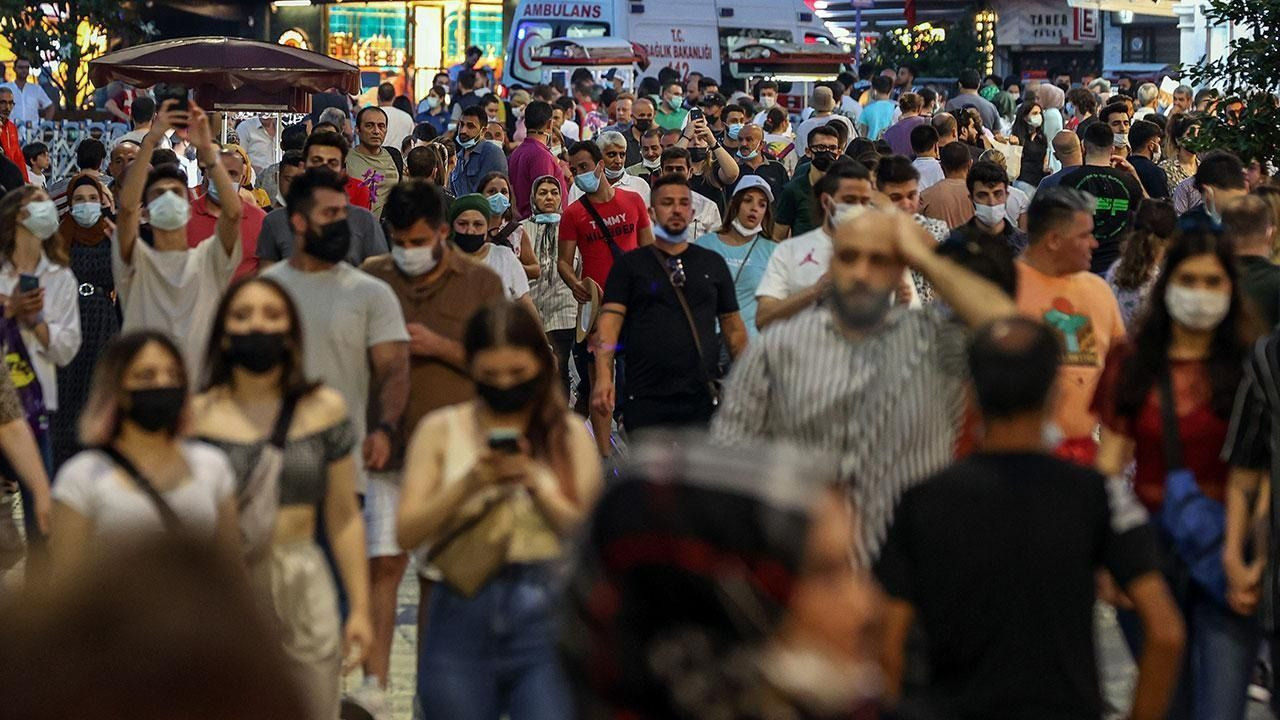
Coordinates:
(1222, 650)
(494, 655)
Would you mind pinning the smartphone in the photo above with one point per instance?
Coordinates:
(172, 91)
(28, 283)
(696, 114)
(504, 441)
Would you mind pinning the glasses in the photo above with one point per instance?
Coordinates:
(823, 148)
(675, 268)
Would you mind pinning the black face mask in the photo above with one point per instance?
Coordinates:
(468, 242)
(156, 409)
(256, 352)
(643, 124)
(822, 161)
(697, 154)
(331, 242)
(509, 399)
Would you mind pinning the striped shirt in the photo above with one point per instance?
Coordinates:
(1253, 442)
(888, 405)
(550, 295)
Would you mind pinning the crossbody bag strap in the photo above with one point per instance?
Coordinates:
(167, 515)
(743, 266)
(1169, 424)
(608, 236)
(688, 314)
(280, 433)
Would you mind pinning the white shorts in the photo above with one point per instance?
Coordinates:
(380, 503)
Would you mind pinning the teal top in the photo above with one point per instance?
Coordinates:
(755, 256)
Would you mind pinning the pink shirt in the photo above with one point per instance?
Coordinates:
(528, 162)
(203, 226)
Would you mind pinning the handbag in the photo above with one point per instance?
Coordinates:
(475, 549)
(259, 502)
(167, 516)
(713, 385)
(1194, 523)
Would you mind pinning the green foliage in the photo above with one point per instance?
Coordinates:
(48, 32)
(1250, 70)
(945, 58)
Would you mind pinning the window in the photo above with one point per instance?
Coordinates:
(1154, 44)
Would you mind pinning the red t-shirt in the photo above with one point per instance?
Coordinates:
(625, 216)
(358, 194)
(203, 226)
(1201, 431)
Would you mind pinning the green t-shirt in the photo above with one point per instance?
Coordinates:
(378, 173)
(795, 207)
(670, 120)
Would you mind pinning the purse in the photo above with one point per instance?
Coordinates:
(1194, 523)
(259, 502)
(475, 549)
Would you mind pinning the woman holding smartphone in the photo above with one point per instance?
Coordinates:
(496, 483)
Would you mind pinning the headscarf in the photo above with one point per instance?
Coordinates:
(989, 92)
(474, 201)
(1050, 96)
(686, 571)
(70, 230)
(1005, 105)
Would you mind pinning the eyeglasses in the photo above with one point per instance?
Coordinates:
(675, 268)
(823, 148)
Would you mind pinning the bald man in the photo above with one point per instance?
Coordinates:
(1066, 147)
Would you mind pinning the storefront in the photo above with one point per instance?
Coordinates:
(404, 43)
(1042, 38)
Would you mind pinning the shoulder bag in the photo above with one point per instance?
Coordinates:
(170, 518)
(604, 229)
(713, 386)
(259, 501)
(1194, 523)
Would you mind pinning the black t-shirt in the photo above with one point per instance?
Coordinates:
(662, 359)
(10, 175)
(1118, 195)
(773, 172)
(997, 555)
(1153, 177)
(705, 188)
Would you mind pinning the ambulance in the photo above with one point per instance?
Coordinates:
(687, 35)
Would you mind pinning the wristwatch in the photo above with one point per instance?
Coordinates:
(387, 428)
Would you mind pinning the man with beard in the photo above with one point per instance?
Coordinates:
(666, 300)
(882, 386)
(438, 290)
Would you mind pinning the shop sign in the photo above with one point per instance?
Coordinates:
(1086, 25)
(1042, 22)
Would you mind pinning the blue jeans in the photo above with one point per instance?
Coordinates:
(494, 654)
(1221, 653)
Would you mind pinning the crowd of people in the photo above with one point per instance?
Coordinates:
(937, 386)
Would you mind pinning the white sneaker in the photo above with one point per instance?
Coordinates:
(372, 699)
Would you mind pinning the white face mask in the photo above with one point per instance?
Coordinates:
(496, 143)
(170, 211)
(843, 212)
(1196, 309)
(1035, 121)
(414, 261)
(745, 231)
(652, 164)
(768, 101)
(989, 215)
(86, 214)
(42, 219)
(1120, 139)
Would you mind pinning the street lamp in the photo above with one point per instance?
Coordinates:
(985, 26)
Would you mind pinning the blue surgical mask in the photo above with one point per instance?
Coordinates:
(671, 238)
(467, 144)
(735, 130)
(749, 156)
(587, 182)
(86, 214)
(546, 218)
(212, 192)
(499, 203)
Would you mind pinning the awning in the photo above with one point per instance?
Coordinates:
(1163, 8)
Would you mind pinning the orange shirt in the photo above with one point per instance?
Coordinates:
(1083, 312)
(13, 148)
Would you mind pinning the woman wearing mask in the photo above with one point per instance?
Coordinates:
(470, 218)
(1081, 105)
(493, 488)
(1144, 243)
(255, 375)
(1051, 99)
(40, 330)
(779, 139)
(551, 296)
(434, 110)
(86, 234)
(503, 229)
(137, 475)
(1181, 162)
(744, 242)
(1190, 346)
(1028, 128)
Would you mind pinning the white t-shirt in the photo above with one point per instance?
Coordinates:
(797, 263)
(399, 127)
(175, 291)
(94, 486)
(1016, 204)
(634, 183)
(500, 259)
(62, 315)
(344, 313)
(930, 171)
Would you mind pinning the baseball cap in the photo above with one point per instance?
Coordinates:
(747, 182)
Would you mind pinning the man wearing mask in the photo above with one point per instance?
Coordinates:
(668, 310)
(532, 160)
(650, 163)
(795, 211)
(642, 112)
(377, 167)
(1145, 139)
(988, 186)
(734, 118)
(476, 158)
(767, 97)
(713, 109)
(868, 369)
(672, 114)
(275, 242)
(207, 208)
(1055, 286)
(356, 337)
(752, 161)
(1116, 117)
(1114, 183)
(1220, 181)
(157, 293)
(797, 273)
(438, 291)
(613, 147)
(712, 168)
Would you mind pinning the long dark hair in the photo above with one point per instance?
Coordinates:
(1021, 129)
(1149, 230)
(1231, 340)
(506, 324)
(293, 382)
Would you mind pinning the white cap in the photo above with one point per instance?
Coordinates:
(747, 182)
